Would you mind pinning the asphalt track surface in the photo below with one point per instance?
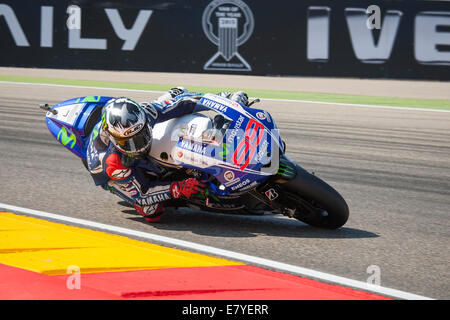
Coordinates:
(392, 167)
(363, 87)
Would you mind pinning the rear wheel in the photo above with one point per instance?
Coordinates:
(316, 202)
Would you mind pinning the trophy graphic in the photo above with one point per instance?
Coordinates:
(228, 24)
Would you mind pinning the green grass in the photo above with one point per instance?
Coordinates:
(268, 94)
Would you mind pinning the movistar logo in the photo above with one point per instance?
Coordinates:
(65, 139)
(94, 133)
(89, 99)
(224, 153)
(104, 124)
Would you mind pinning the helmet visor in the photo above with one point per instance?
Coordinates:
(136, 144)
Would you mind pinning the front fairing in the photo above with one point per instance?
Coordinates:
(69, 122)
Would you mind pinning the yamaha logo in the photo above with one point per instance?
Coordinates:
(228, 24)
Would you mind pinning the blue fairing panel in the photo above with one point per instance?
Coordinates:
(67, 126)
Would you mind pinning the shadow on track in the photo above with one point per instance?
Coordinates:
(243, 226)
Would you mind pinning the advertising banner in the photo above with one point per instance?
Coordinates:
(368, 39)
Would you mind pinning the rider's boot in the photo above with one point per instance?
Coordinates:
(150, 213)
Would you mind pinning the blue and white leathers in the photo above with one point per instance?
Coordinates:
(135, 179)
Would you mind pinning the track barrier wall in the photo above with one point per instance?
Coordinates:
(371, 39)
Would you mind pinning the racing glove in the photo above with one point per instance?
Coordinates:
(168, 97)
(175, 92)
(186, 188)
(239, 96)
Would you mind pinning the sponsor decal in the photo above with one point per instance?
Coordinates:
(261, 115)
(232, 182)
(89, 99)
(228, 24)
(234, 132)
(228, 175)
(223, 154)
(68, 113)
(286, 171)
(180, 154)
(132, 130)
(192, 129)
(262, 151)
(214, 104)
(223, 101)
(271, 194)
(251, 185)
(197, 159)
(104, 124)
(194, 147)
(160, 197)
(65, 138)
(241, 185)
(95, 133)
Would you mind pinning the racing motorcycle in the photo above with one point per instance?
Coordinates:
(235, 150)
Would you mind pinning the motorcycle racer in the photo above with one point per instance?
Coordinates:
(118, 145)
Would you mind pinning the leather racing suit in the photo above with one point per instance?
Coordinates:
(136, 179)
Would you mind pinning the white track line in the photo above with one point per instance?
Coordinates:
(359, 105)
(225, 253)
(267, 99)
(78, 87)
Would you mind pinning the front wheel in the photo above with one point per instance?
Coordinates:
(316, 203)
